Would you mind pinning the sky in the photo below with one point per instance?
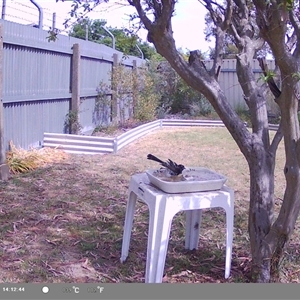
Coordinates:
(188, 22)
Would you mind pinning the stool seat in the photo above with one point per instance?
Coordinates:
(162, 208)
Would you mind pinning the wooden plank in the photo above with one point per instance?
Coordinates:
(4, 170)
(135, 86)
(75, 101)
(2, 151)
(114, 106)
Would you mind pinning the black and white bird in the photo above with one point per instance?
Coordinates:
(173, 167)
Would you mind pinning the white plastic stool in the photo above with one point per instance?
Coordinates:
(162, 209)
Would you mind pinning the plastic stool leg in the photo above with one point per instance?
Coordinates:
(229, 232)
(128, 225)
(158, 238)
(192, 230)
(188, 225)
(229, 238)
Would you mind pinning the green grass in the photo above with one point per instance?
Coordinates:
(64, 222)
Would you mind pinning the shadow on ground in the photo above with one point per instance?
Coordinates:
(65, 223)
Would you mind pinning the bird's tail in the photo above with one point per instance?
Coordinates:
(152, 157)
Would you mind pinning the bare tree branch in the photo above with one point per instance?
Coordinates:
(227, 15)
(260, 4)
(220, 37)
(271, 20)
(243, 8)
(235, 35)
(291, 41)
(276, 140)
(167, 12)
(270, 80)
(157, 8)
(294, 18)
(222, 19)
(146, 21)
(294, 41)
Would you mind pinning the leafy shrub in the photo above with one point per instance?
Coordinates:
(147, 96)
(150, 92)
(72, 124)
(134, 94)
(177, 96)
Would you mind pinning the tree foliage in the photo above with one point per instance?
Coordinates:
(131, 88)
(126, 41)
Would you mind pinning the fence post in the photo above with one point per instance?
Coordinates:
(114, 100)
(4, 170)
(74, 125)
(134, 87)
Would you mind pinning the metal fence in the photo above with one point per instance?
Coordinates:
(42, 82)
(79, 144)
(229, 82)
(100, 145)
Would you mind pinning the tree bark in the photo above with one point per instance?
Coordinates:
(261, 168)
(268, 240)
(283, 227)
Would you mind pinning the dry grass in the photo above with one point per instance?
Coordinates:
(63, 222)
(22, 161)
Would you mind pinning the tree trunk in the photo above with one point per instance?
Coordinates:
(283, 227)
(268, 239)
(261, 166)
(277, 238)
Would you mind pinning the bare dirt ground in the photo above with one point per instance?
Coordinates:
(63, 222)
